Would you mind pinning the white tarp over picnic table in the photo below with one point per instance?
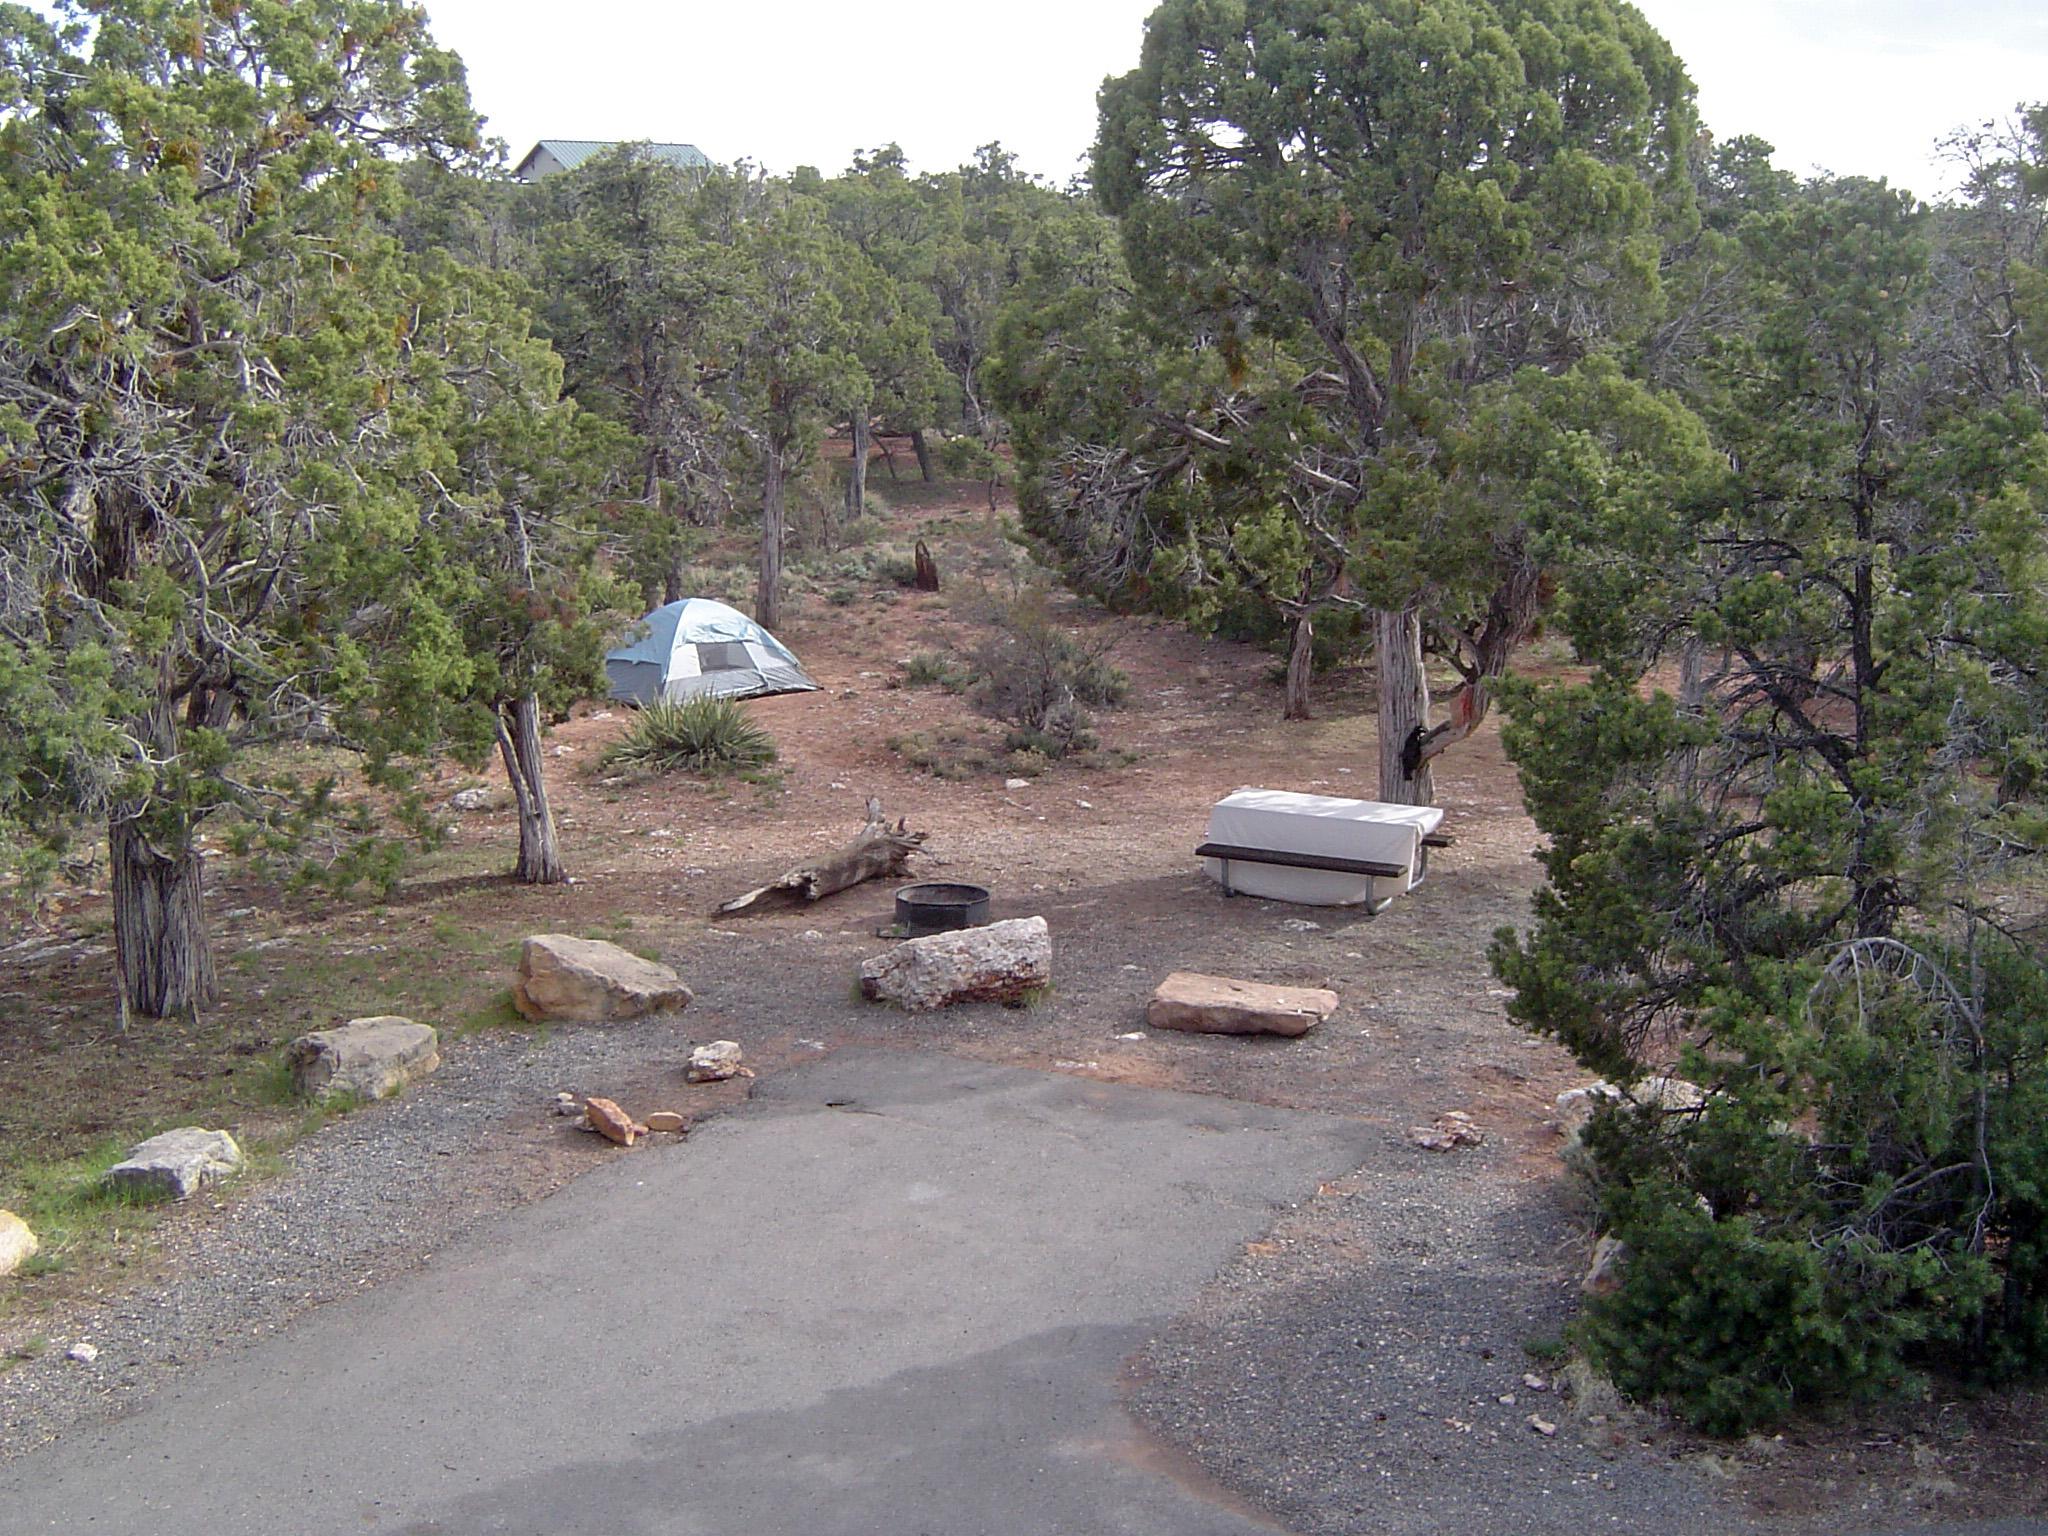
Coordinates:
(1282, 821)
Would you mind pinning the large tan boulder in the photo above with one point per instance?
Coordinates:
(1219, 1005)
(999, 963)
(587, 981)
(367, 1057)
(17, 1243)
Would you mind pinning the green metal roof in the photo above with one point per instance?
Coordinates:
(573, 152)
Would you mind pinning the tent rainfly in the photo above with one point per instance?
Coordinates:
(701, 647)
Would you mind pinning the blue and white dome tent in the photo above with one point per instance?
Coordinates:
(700, 647)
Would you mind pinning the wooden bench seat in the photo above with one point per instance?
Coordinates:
(1232, 853)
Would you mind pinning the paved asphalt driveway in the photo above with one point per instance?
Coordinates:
(893, 1296)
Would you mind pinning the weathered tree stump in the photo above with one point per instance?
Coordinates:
(927, 577)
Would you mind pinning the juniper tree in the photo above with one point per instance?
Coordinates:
(1806, 882)
(1386, 207)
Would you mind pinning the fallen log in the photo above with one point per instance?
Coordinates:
(880, 849)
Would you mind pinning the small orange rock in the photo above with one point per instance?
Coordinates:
(612, 1122)
(666, 1120)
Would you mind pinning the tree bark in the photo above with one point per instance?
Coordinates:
(924, 455)
(160, 944)
(857, 482)
(1405, 775)
(1301, 667)
(540, 854)
(768, 593)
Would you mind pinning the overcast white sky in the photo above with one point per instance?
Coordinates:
(1852, 86)
(1863, 86)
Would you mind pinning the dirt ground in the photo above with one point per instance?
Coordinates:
(1103, 852)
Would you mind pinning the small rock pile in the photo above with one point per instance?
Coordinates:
(1451, 1130)
(715, 1062)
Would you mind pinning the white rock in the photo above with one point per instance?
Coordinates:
(567, 1104)
(1603, 1275)
(371, 1058)
(82, 1352)
(1001, 962)
(1452, 1129)
(1016, 783)
(1576, 1106)
(17, 1243)
(717, 1061)
(1299, 925)
(470, 800)
(173, 1165)
(591, 982)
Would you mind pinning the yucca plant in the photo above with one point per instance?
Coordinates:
(699, 735)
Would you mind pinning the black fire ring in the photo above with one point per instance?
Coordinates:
(936, 907)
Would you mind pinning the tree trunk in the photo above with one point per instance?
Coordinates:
(540, 855)
(672, 581)
(160, 946)
(888, 458)
(857, 482)
(878, 850)
(1405, 776)
(924, 455)
(1301, 667)
(768, 594)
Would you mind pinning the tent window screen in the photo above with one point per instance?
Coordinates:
(723, 656)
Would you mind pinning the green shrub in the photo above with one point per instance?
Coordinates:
(1036, 678)
(896, 568)
(935, 669)
(948, 753)
(697, 735)
(1737, 1325)
(968, 458)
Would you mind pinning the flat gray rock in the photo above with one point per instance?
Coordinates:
(174, 1165)
(371, 1058)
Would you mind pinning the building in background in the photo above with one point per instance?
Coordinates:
(552, 155)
